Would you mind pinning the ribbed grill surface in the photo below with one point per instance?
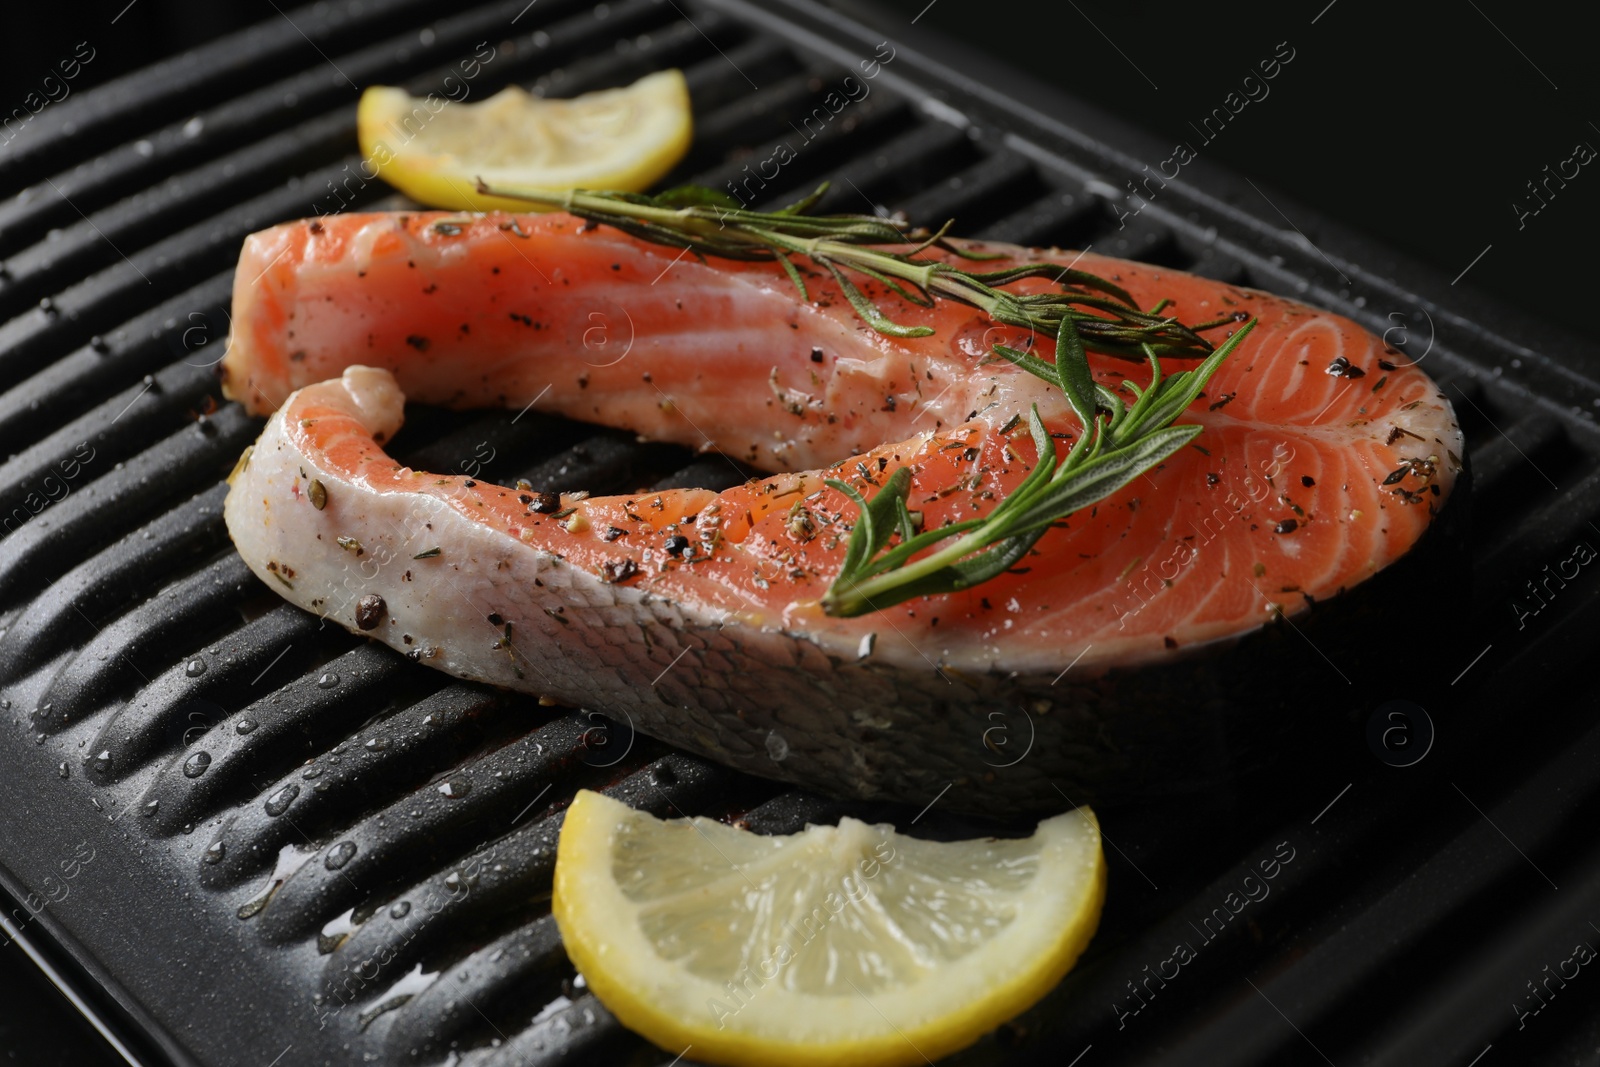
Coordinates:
(303, 839)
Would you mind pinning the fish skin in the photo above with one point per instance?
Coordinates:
(731, 656)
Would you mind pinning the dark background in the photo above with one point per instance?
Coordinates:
(1417, 123)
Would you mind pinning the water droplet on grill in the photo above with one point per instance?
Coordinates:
(400, 909)
(311, 773)
(151, 807)
(376, 744)
(63, 770)
(328, 680)
(38, 739)
(777, 747)
(255, 907)
(455, 788)
(279, 802)
(339, 855)
(196, 765)
(102, 762)
(215, 853)
(245, 726)
(95, 803)
(48, 306)
(195, 667)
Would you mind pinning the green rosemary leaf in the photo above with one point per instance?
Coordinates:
(868, 311)
(695, 196)
(1104, 475)
(1072, 372)
(794, 276)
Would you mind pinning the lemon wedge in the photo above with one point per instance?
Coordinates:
(846, 945)
(434, 150)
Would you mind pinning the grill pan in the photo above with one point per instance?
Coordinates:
(239, 837)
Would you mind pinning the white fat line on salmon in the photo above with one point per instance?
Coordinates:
(669, 266)
(1184, 552)
(750, 980)
(823, 114)
(1256, 888)
(421, 115)
(1183, 153)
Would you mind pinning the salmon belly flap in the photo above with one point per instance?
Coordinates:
(1133, 632)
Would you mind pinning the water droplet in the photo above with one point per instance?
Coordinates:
(188, 827)
(215, 853)
(245, 726)
(38, 739)
(279, 802)
(328, 680)
(400, 909)
(151, 807)
(777, 747)
(311, 773)
(63, 770)
(339, 855)
(196, 765)
(195, 667)
(452, 881)
(95, 803)
(254, 907)
(102, 762)
(335, 760)
(376, 744)
(455, 788)
(144, 148)
(192, 128)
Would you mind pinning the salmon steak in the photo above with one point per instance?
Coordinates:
(1132, 636)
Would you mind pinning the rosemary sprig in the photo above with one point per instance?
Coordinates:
(1118, 443)
(885, 250)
